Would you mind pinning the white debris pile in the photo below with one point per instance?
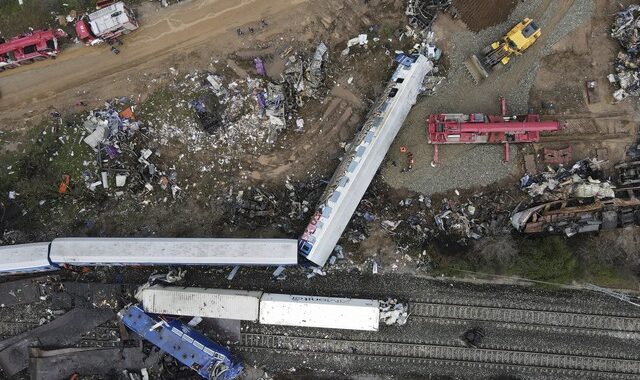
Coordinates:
(220, 114)
(580, 181)
(393, 313)
(106, 127)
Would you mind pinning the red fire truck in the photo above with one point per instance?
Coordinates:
(29, 47)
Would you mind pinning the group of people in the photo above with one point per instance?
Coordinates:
(263, 24)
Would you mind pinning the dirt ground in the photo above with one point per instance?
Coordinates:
(480, 14)
(185, 35)
(146, 65)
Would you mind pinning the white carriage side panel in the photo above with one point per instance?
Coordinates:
(151, 251)
(323, 312)
(362, 160)
(25, 258)
(201, 302)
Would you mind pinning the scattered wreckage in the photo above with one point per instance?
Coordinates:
(626, 29)
(579, 199)
(578, 215)
(582, 180)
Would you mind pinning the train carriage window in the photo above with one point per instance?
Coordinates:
(29, 49)
(554, 206)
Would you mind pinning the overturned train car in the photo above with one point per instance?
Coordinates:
(573, 216)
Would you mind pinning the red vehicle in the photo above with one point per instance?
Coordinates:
(478, 128)
(29, 47)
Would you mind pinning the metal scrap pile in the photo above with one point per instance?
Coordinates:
(422, 13)
(272, 100)
(304, 78)
(246, 113)
(626, 30)
(225, 114)
(580, 181)
(480, 215)
(112, 136)
(459, 220)
(258, 206)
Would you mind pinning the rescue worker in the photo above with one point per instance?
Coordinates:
(410, 161)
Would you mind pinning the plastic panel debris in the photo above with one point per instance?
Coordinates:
(189, 347)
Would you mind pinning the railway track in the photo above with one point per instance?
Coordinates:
(394, 352)
(576, 320)
(99, 336)
(540, 305)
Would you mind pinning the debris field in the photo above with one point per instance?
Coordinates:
(294, 189)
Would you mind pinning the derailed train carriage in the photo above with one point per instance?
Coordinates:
(42, 257)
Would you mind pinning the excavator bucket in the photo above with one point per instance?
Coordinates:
(476, 69)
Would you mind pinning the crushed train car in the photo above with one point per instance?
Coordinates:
(210, 360)
(575, 215)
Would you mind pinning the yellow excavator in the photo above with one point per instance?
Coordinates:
(498, 54)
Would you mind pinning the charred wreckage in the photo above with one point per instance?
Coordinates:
(575, 202)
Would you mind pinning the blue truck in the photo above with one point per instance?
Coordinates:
(211, 360)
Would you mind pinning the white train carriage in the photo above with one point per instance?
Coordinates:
(241, 305)
(173, 251)
(361, 161)
(267, 308)
(25, 258)
(323, 312)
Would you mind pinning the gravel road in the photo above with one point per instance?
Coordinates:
(468, 166)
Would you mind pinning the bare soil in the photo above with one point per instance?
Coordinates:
(480, 14)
